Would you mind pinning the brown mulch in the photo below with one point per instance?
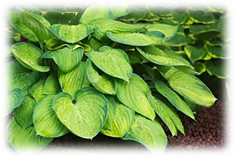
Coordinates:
(208, 131)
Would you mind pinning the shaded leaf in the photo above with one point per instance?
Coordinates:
(15, 98)
(45, 116)
(103, 82)
(51, 85)
(195, 53)
(24, 113)
(25, 139)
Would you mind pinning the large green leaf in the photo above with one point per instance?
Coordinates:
(20, 27)
(113, 62)
(173, 97)
(36, 90)
(25, 139)
(149, 133)
(15, 97)
(66, 58)
(86, 117)
(102, 26)
(20, 77)
(70, 33)
(168, 58)
(74, 80)
(29, 56)
(24, 113)
(103, 82)
(216, 51)
(133, 95)
(45, 116)
(137, 39)
(38, 24)
(216, 68)
(121, 122)
(119, 11)
(190, 87)
(167, 113)
(95, 12)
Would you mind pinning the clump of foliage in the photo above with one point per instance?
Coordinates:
(115, 71)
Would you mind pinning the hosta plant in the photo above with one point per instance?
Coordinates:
(89, 72)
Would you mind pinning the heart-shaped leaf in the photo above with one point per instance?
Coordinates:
(29, 56)
(149, 133)
(121, 122)
(24, 113)
(133, 94)
(70, 33)
(25, 139)
(45, 116)
(103, 83)
(113, 62)
(173, 97)
(87, 116)
(66, 58)
(74, 80)
(15, 97)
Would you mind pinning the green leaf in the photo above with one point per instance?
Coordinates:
(119, 11)
(36, 90)
(74, 80)
(38, 24)
(15, 97)
(45, 116)
(51, 85)
(133, 95)
(70, 33)
(113, 62)
(29, 56)
(195, 53)
(103, 82)
(66, 58)
(102, 26)
(168, 58)
(216, 51)
(25, 139)
(167, 113)
(24, 113)
(168, 30)
(216, 68)
(173, 97)
(137, 39)
(20, 77)
(58, 17)
(95, 12)
(149, 133)
(121, 122)
(191, 88)
(87, 116)
(201, 16)
(20, 27)
(179, 39)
